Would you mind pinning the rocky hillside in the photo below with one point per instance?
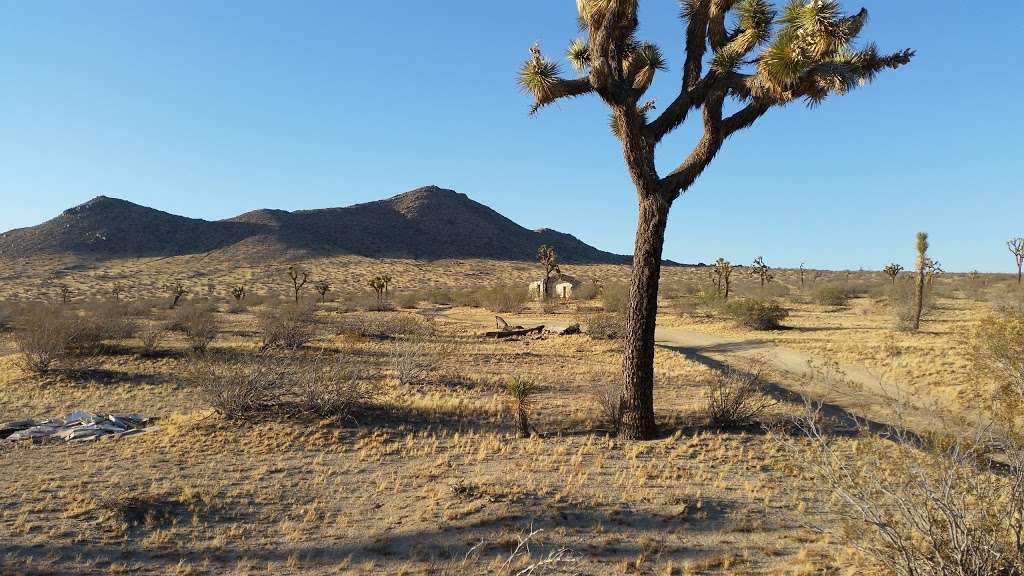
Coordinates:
(428, 223)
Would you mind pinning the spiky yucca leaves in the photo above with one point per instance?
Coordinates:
(539, 75)
(520, 393)
(813, 54)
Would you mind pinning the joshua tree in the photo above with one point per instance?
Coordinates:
(924, 265)
(802, 270)
(380, 288)
(65, 294)
(177, 291)
(116, 292)
(893, 271)
(299, 277)
(1016, 247)
(722, 277)
(932, 270)
(238, 293)
(322, 288)
(548, 258)
(762, 271)
(810, 55)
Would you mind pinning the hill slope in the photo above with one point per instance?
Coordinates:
(428, 223)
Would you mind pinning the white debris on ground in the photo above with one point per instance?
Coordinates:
(79, 426)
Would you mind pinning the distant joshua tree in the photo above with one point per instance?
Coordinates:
(299, 277)
(116, 292)
(925, 266)
(722, 277)
(65, 294)
(734, 52)
(322, 288)
(802, 271)
(1016, 247)
(933, 269)
(762, 271)
(380, 288)
(548, 258)
(893, 271)
(238, 293)
(177, 291)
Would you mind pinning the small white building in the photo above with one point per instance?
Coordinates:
(559, 286)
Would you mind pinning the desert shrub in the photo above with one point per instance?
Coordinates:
(269, 387)
(709, 299)
(288, 326)
(408, 300)
(384, 326)
(920, 508)
(440, 297)
(505, 299)
(412, 363)
(468, 298)
(198, 324)
(756, 314)
(735, 399)
(608, 401)
(521, 392)
(46, 333)
(587, 290)
(615, 297)
(150, 336)
(997, 354)
(41, 333)
(832, 296)
(604, 325)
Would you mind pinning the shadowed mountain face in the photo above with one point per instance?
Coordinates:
(428, 224)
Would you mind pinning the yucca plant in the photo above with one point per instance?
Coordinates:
(548, 258)
(298, 277)
(520, 392)
(925, 269)
(763, 61)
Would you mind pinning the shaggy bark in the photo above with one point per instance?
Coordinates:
(637, 402)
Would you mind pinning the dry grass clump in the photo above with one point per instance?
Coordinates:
(197, 323)
(901, 303)
(267, 386)
(917, 509)
(736, 399)
(756, 314)
(289, 326)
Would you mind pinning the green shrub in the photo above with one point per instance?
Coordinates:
(756, 314)
(831, 296)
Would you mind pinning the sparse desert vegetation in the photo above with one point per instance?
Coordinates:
(332, 435)
(421, 386)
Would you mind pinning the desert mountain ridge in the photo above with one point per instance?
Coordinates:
(428, 223)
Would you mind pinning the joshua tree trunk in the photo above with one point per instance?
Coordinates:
(919, 300)
(637, 406)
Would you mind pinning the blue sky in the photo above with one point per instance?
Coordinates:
(210, 109)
